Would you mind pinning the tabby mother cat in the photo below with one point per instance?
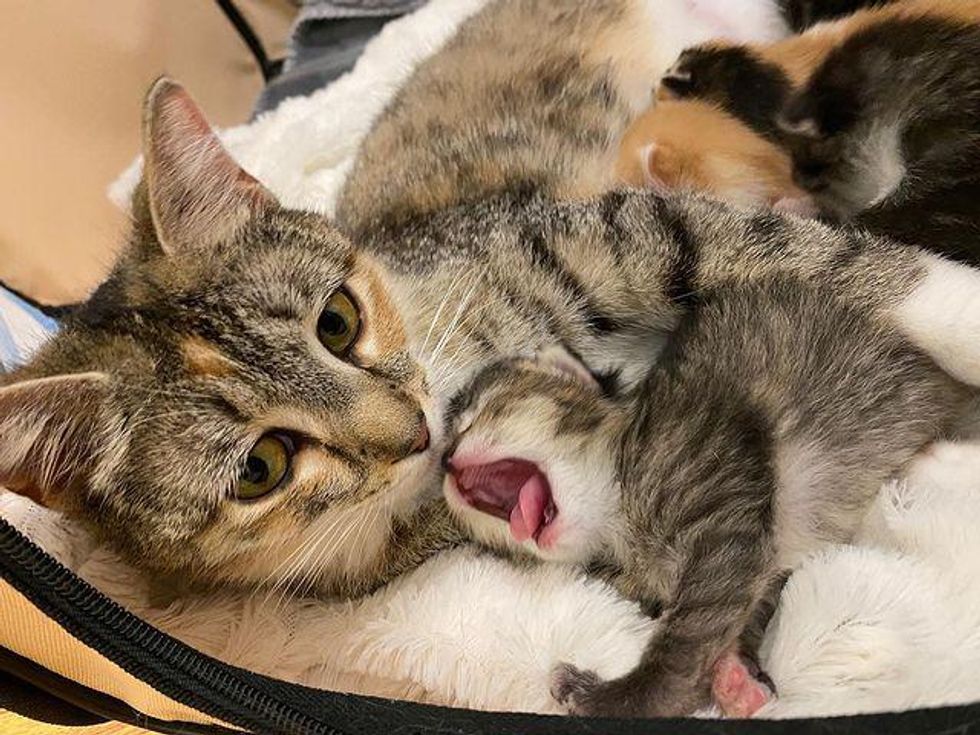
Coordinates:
(257, 396)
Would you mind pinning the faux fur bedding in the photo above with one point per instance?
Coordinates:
(892, 622)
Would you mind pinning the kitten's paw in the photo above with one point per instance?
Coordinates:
(572, 687)
(739, 692)
(676, 83)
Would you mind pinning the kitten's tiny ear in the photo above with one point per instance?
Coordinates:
(676, 83)
(648, 164)
(197, 193)
(558, 360)
(51, 435)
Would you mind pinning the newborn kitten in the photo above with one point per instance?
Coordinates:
(760, 437)
(256, 395)
(695, 145)
(879, 113)
(890, 122)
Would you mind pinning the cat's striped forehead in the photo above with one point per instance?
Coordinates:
(227, 352)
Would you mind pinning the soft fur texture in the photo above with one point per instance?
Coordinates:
(888, 625)
(874, 641)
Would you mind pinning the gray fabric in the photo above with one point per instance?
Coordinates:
(317, 9)
(328, 38)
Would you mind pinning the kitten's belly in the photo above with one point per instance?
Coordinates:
(807, 515)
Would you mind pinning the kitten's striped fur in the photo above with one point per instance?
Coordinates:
(471, 227)
(762, 435)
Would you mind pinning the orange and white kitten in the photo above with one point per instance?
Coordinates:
(695, 145)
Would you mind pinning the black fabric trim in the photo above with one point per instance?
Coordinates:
(97, 707)
(58, 312)
(235, 696)
(269, 68)
(265, 705)
(27, 700)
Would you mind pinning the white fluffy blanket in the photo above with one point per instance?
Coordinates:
(892, 622)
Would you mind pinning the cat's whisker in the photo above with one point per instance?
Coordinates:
(447, 332)
(340, 539)
(457, 316)
(442, 304)
(282, 575)
(459, 361)
(298, 559)
(467, 319)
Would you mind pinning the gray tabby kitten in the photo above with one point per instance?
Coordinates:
(761, 435)
(257, 396)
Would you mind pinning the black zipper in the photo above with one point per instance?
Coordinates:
(263, 705)
(166, 664)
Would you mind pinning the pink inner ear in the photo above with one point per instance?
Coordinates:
(181, 139)
(198, 193)
(648, 159)
(558, 360)
(175, 103)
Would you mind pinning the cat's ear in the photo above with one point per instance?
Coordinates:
(197, 194)
(819, 112)
(800, 117)
(559, 361)
(51, 435)
(799, 123)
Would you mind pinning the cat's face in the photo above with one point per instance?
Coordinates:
(532, 469)
(237, 402)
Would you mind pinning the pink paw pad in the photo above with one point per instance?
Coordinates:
(736, 690)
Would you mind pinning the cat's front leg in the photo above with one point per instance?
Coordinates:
(725, 579)
(648, 691)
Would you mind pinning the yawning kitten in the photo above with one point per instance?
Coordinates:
(257, 395)
(761, 436)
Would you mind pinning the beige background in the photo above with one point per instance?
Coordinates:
(72, 75)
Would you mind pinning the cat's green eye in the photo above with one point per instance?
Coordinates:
(339, 324)
(266, 467)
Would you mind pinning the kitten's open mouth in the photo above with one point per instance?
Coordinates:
(514, 490)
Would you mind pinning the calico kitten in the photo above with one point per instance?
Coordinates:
(246, 399)
(890, 121)
(712, 126)
(879, 113)
(692, 145)
(760, 436)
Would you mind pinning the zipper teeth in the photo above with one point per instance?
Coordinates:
(17, 550)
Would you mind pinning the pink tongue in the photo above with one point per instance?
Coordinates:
(528, 514)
